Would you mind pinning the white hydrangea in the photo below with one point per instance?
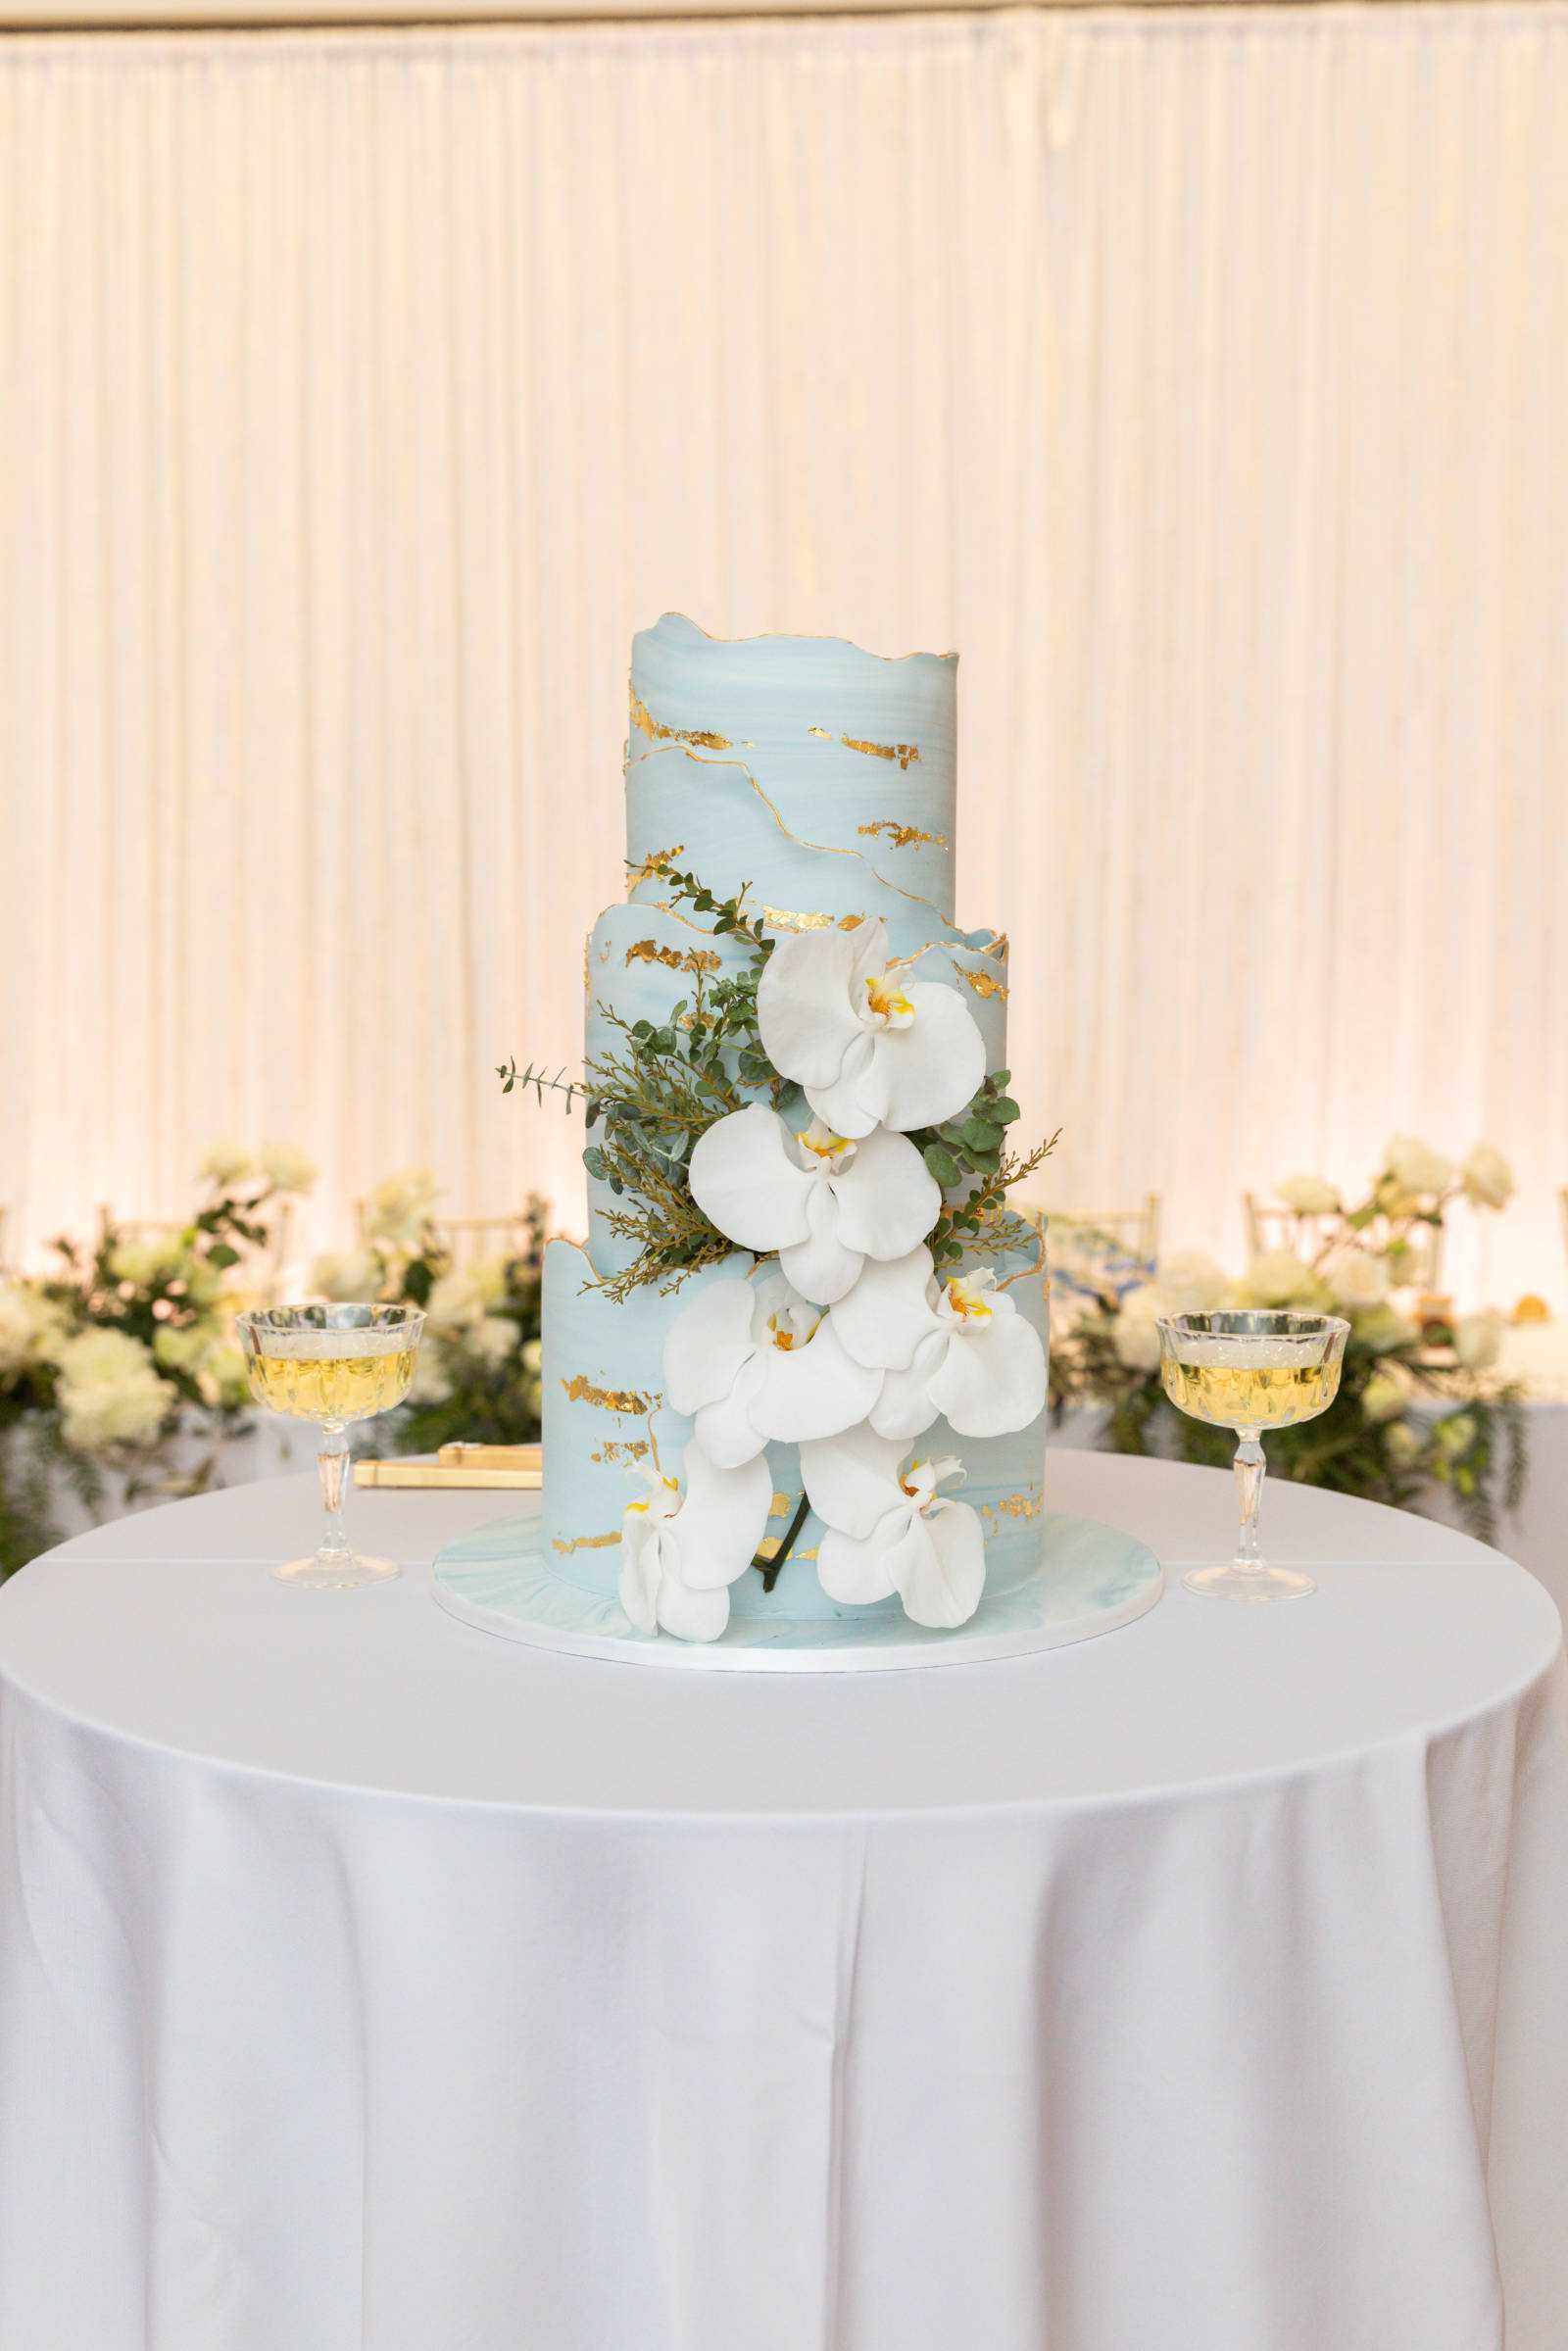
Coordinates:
(1486, 1177)
(1278, 1276)
(1308, 1195)
(356, 1276)
(286, 1167)
(400, 1207)
(1416, 1167)
(110, 1393)
(1189, 1283)
(228, 1164)
(1134, 1334)
(492, 1338)
(465, 1296)
(1357, 1280)
(30, 1328)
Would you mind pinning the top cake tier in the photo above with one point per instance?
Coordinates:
(820, 775)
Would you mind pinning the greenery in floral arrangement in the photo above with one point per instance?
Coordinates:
(648, 1104)
(125, 1346)
(1419, 1410)
(476, 1380)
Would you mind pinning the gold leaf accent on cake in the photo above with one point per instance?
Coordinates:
(646, 723)
(768, 1549)
(782, 919)
(1012, 1505)
(982, 982)
(633, 1450)
(903, 836)
(904, 753)
(582, 1391)
(782, 1508)
(691, 958)
(566, 1543)
(657, 862)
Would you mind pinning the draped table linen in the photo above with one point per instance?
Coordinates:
(366, 1982)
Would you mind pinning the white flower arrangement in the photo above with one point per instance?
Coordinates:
(1414, 1407)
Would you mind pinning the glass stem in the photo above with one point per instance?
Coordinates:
(1249, 1466)
(333, 1468)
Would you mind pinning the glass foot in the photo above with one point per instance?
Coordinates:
(1231, 1580)
(345, 1571)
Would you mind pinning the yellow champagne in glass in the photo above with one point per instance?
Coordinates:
(1249, 1372)
(332, 1365)
(328, 1387)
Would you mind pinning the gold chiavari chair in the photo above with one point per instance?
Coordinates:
(466, 1239)
(1270, 1226)
(1093, 1255)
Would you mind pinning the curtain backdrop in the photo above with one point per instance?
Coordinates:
(1201, 377)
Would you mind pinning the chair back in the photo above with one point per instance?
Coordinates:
(1093, 1257)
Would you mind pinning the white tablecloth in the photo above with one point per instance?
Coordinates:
(365, 1982)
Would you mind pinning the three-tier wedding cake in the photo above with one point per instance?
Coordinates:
(820, 780)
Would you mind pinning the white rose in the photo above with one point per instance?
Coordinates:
(1477, 1339)
(1189, 1283)
(358, 1275)
(1486, 1177)
(226, 1165)
(1416, 1167)
(1357, 1280)
(1308, 1195)
(183, 1349)
(533, 1356)
(493, 1339)
(398, 1210)
(1383, 1398)
(286, 1167)
(136, 1262)
(1277, 1277)
(1133, 1334)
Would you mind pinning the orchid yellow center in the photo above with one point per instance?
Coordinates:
(789, 1327)
(968, 1300)
(886, 1000)
(821, 1142)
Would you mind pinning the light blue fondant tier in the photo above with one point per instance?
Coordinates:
(741, 752)
(603, 1409)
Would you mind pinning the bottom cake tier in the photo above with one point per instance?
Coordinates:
(605, 1413)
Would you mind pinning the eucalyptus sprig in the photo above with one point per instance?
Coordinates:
(968, 1156)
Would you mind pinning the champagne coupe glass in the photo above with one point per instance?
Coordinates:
(331, 1364)
(1249, 1372)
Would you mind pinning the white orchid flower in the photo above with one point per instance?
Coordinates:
(957, 1347)
(891, 1531)
(680, 1551)
(867, 1047)
(751, 1363)
(824, 1201)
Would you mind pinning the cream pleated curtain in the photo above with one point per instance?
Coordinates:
(1202, 376)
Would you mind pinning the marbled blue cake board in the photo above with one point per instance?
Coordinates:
(1088, 1578)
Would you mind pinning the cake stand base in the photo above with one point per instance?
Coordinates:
(1088, 1578)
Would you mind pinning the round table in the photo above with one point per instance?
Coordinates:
(369, 1985)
